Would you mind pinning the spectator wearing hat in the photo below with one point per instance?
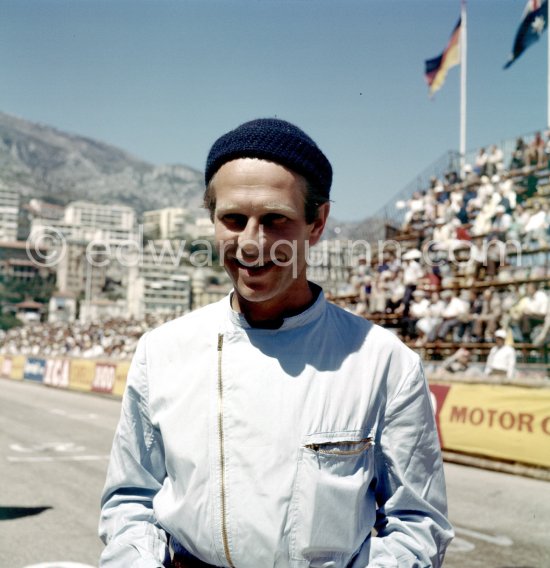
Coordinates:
(501, 361)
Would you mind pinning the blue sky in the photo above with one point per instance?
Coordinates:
(163, 79)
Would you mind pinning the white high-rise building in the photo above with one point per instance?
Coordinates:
(167, 223)
(84, 221)
(159, 281)
(9, 210)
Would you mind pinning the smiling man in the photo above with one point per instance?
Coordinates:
(262, 235)
(273, 429)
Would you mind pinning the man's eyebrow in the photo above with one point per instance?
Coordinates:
(270, 207)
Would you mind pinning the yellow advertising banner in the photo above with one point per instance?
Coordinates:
(120, 377)
(81, 375)
(17, 367)
(505, 422)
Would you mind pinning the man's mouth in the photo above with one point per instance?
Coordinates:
(254, 266)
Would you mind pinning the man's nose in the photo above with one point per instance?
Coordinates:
(252, 233)
(252, 237)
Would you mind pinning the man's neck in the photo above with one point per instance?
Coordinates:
(260, 316)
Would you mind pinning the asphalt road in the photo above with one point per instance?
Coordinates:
(54, 446)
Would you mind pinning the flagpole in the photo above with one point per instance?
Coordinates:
(463, 39)
(548, 67)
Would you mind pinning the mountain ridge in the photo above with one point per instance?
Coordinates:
(42, 161)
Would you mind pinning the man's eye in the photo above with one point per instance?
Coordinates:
(274, 219)
(234, 220)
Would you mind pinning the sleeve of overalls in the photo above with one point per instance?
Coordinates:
(412, 526)
(135, 474)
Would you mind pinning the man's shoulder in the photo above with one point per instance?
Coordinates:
(378, 340)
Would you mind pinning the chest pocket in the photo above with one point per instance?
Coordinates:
(332, 511)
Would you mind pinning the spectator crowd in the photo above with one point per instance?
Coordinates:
(471, 256)
(113, 339)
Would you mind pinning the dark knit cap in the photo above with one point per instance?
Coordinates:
(277, 141)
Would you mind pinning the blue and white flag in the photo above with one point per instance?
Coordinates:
(533, 23)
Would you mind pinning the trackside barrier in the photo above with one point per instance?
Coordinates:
(505, 422)
(498, 421)
(12, 367)
(85, 375)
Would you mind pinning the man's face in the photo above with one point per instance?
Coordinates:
(262, 235)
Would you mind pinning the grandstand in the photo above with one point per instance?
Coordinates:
(470, 255)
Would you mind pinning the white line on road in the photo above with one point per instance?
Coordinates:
(85, 415)
(59, 565)
(460, 545)
(14, 459)
(63, 447)
(500, 540)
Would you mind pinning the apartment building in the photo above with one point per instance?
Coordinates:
(9, 211)
(159, 281)
(84, 221)
(167, 223)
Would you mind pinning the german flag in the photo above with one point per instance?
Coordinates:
(437, 68)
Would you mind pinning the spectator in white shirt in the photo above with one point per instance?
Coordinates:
(502, 358)
(534, 311)
(536, 227)
(458, 362)
(427, 325)
(501, 222)
(495, 160)
(480, 167)
(412, 273)
(442, 234)
(453, 314)
(418, 308)
(485, 189)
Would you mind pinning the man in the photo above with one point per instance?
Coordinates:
(273, 429)
(535, 308)
(501, 361)
(453, 314)
(458, 362)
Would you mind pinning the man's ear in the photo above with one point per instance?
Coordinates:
(318, 226)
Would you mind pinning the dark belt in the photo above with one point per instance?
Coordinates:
(185, 561)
